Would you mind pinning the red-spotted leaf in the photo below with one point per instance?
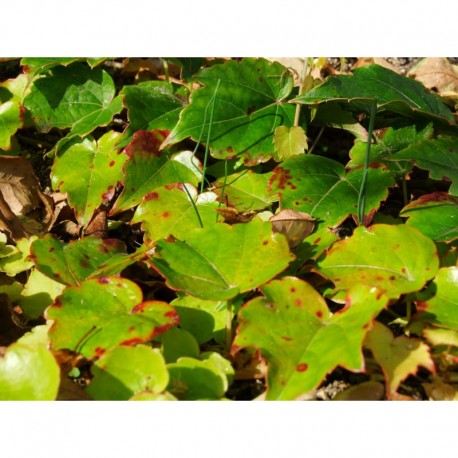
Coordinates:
(439, 303)
(88, 172)
(397, 259)
(70, 263)
(300, 338)
(435, 215)
(150, 105)
(221, 261)
(105, 312)
(169, 211)
(125, 371)
(439, 156)
(320, 187)
(398, 357)
(238, 109)
(148, 168)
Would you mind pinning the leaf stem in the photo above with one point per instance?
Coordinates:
(228, 342)
(194, 206)
(362, 191)
(317, 139)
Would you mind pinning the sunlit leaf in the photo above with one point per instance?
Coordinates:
(289, 141)
(238, 109)
(105, 312)
(11, 119)
(177, 343)
(398, 357)
(125, 371)
(320, 187)
(88, 172)
(300, 338)
(382, 256)
(435, 215)
(219, 262)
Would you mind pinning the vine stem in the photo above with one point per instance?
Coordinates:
(301, 90)
(362, 191)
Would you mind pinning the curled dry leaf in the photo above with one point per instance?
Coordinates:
(294, 225)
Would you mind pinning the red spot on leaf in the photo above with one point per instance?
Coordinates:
(57, 302)
(133, 341)
(103, 280)
(302, 367)
(146, 142)
(111, 164)
(392, 277)
(57, 275)
(165, 214)
(174, 186)
(151, 196)
(99, 351)
(319, 314)
(292, 289)
(298, 303)
(230, 149)
(280, 177)
(265, 242)
(317, 241)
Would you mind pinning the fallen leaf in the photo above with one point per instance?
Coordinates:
(436, 73)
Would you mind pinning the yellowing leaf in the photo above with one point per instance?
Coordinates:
(398, 357)
(289, 141)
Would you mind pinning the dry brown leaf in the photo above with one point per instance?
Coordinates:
(294, 225)
(363, 61)
(437, 390)
(436, 73)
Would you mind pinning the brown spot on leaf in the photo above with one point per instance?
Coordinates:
(151, 196)
(292, 289)
(51, 249)
(99, 351)
(319, 314)
(165, 214)
(250, 110)
(280, 177)
(298, 302)
(111, 164)
(133, 341)
(317, 241)
(302, 367)
(146, 142)
(57, 302)
(103, 280)
(288, 339)
(84, 264)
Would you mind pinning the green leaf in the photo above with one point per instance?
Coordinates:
(246, 190)
(148, 168)
(435, 215)
(396, 259)
(125, 371)
(88, 172)
(221, 261)
(28, 373)
(150, 105)
(238, 109)
(192, 379)
(320, 187)
(105, 312)
(439, 156)
(11, 119)
(70, 263)
(72, 96)
(390, 141)
(203, 319)
(39, 292)
(398, 357)
(37, 65)
(289, 141)
(300, 338)
(392, 91)
(168, 210)
(439, 303)
(15, 259)
(177, 343)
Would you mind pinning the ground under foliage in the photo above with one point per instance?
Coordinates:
(196, 228)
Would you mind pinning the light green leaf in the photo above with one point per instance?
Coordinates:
(300, 338)
(125, 371)
(219, 262)
(178, 342)
(88, 172)
(382, 256)
(11, 119)
(289, 141)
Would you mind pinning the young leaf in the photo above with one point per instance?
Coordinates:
(395, 259)
(105, 312)
(245, 191)
(11, 119)
(168, 211)
(238, 109)
(148, 168)
(442, 308)
(439, 156)
(88, 172)
(289, 141)
(70, 263)
(392, 91)
(28, 373)
(435, 215)
(320, 187)
(150, 105)
(398, 357)
(73, 96)
(219, 262)
(125, 371)
(177, 343)
(300, 338)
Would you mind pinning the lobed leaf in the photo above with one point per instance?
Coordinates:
(219, 262)
(105, 312)
(300, 338)
(381, 256)
(320, 187)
